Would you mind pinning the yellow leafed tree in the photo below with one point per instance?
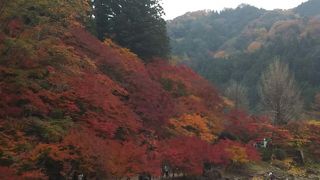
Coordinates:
(192, 125)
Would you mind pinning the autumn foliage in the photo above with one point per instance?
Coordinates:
(190, 160)
(72, 104)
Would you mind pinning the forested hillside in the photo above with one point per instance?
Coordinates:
(71, 104)
(74, 106)
(236, 45)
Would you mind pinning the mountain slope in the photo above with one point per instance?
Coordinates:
(223, 53)
(308, 9)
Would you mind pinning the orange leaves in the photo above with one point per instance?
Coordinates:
(192, 125)
(226, 152)
(254, 46)
(238, 154)
(191, 93)
(125, 160)
(53, 151)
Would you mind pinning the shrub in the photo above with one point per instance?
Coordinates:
(57, 114)
(266, 154)
(280, 154)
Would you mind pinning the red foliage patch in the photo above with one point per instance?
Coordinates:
(104, 109)
(118, 159)
(188, 154)
(150, 101)
(247, 127)
(146, 97)
(8, 173)
(185, 153)
(192, 82)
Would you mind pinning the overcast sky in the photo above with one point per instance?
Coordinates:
(174, 8)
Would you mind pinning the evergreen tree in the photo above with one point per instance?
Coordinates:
(102, 13)
(134, 24)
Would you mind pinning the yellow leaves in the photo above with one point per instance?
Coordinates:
(288, 162)
(67, 58)
(238, 154)
(73, 12)
(297, 171)
(47, 11)
(294, 170)
(121, 50)
(257, 178)
(192, 125)
(314, 123)
(176, 60)
(110, 43)
(299, 142)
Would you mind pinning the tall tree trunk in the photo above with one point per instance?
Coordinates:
(302, 156)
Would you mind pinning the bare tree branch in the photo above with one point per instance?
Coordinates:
(238, 94)
(280, 97)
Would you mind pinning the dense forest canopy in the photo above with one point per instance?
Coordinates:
(136, 24)
(238, 44)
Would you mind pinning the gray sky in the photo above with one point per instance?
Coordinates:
(174, 8)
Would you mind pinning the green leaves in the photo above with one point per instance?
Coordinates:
(135, 24)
